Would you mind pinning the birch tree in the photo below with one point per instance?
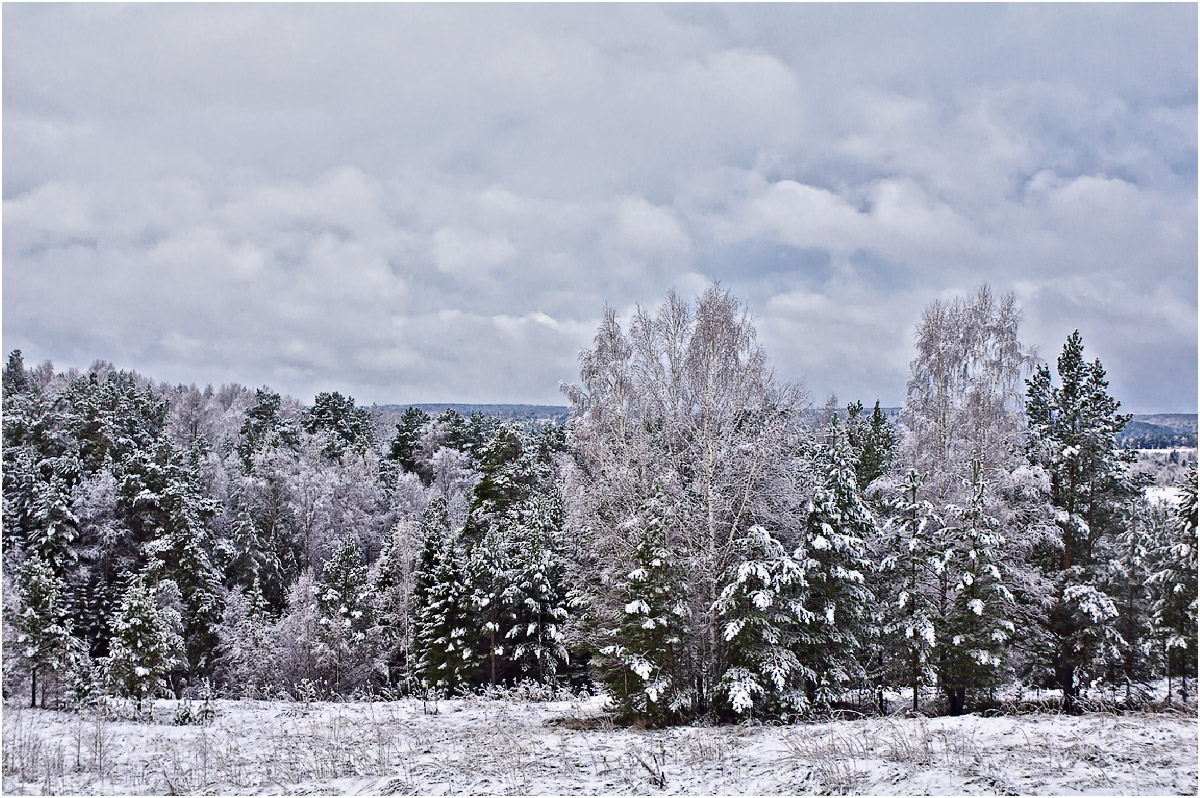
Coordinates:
(683, 409)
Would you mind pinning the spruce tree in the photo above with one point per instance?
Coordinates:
(15, 379)
(507, 477)
(180, 551)
(976, 626)
(761, 604)
(145, 643)
(645, 663)
(54, 528)
(441, 612)
(877, 448)
(536, 594)
(909, 575)
(405, 444)
(345, 607)
(41, 623)
(1126, 578)
(834, 561)
(1174, 609)
(489, 575)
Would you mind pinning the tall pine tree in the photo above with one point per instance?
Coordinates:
(1072, 436)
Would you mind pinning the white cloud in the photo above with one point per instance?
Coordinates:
(436, 201)
(648, 228)
(467, 253)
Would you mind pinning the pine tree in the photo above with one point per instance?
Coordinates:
(145, 643)
(1072, 433)
(405, 445)
(264, 428)
(42, 626)
(341, 425)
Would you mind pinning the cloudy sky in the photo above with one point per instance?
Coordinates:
(434, 203)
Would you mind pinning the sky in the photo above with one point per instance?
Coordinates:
(434, 203)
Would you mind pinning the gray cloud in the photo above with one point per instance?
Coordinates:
(433, 202)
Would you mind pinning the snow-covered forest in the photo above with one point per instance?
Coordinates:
(697, 543)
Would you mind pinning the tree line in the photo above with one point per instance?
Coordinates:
(694, 540)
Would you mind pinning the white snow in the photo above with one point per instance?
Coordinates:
(481, 746)
(1157, 494)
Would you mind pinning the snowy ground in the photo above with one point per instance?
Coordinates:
(567, 747)
(1157, 494)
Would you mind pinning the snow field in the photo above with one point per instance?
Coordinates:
(479, 746)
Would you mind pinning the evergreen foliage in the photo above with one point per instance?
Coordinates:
(175, 515)
(345, 606)
(873, 440)
(1173, 611)
(1072, 430)
(342, 425)
(441, 613)
(976, 622)
(646, 664)
(909, 575)
(762, 604)
(536, 592)
(145, 643)
(834, 559)
(264, 427)
(43, 630)
(405, 445)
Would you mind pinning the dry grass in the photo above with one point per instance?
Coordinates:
(498, 747)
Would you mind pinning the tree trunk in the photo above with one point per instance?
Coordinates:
(1064, 675)
(33, 687)
(957, 697)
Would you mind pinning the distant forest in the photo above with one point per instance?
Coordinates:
(1156, 431)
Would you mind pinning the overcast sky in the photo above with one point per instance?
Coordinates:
(434, 203)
